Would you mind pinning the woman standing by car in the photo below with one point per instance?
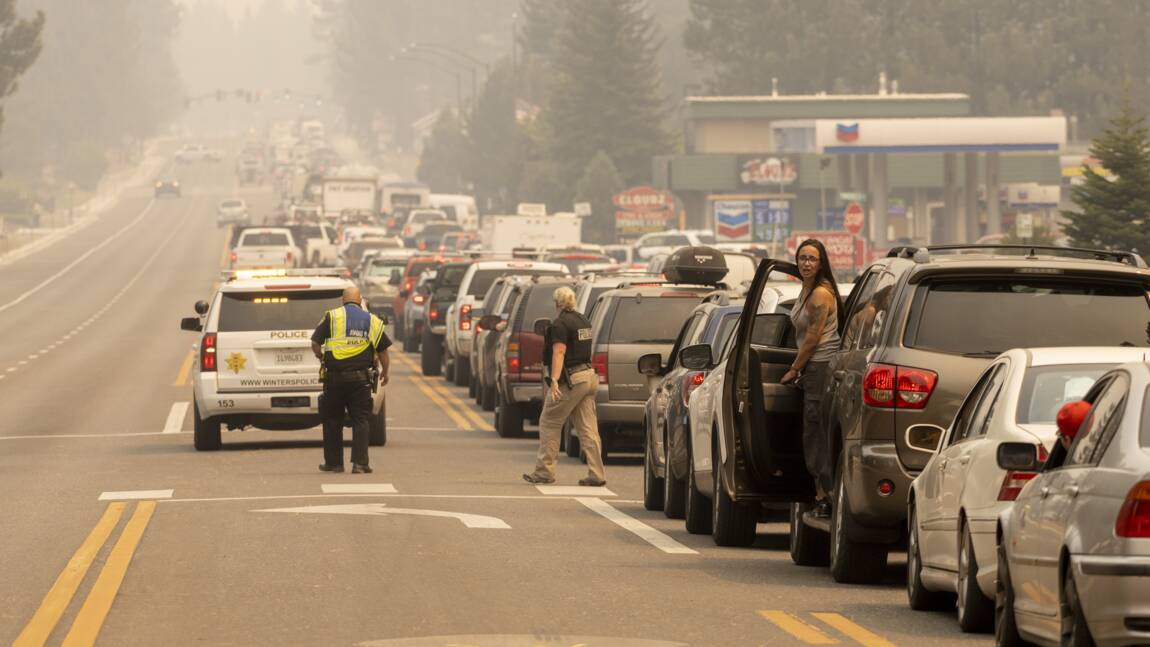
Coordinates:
(815, 316)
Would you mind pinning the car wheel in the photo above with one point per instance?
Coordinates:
(474, 388)
(205, 432)
(461, 375)
(572, 446)
(487, 398)
(809, 546)
(674, 490)
(652, 484)
(409, 344)
(378, 431)
(508, 420)
(732, 523)
(697, 508)
(431, 360)
(1075, 632)
(852, 562)
(1005, 626)
(918, 596)
(975, 610)
(447, 365)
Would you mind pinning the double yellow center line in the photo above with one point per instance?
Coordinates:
(86, 626)
(455, 407)
(813, 635)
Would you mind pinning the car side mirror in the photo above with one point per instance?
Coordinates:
(924, 437)
(191, 323)
(540, 326)
(396, 279)
(489, 322)
(1018, 457)
(697, 357)
(650, 364)
(201, 307)
(403, 294)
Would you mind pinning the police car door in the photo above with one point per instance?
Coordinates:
(264, 339)
(762, 443)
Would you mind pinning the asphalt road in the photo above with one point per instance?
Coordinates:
(114, 530)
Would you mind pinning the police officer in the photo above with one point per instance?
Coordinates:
(349, 341)
(571, 386)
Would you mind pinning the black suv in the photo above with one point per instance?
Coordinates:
(920, 327)
(443, 293)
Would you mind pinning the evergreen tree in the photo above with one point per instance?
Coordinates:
(1115, 213)
(440, 164)
(599, 184)
(606, 93)
(496, 145)
(19, 46)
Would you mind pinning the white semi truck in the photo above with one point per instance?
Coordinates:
(505, 233)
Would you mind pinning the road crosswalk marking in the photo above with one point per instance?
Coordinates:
(573, 490)
(357, 488)
(641, 530)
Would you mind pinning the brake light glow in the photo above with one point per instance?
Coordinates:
(419, 298)
(208, 353)
(1013, 483)
(233, 257)
(465, 316)
(433, 314)
(599, 363)
(513, 364)
(290, 257)
(1134, 517)
(691, 381)
(897, 387)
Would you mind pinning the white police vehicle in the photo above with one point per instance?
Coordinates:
(254, 363)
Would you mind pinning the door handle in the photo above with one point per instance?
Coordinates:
(964, 460)
(838, 375)
(1072, 491)
(942, 464)
(1045, 491)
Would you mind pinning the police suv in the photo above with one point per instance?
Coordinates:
(254, 363)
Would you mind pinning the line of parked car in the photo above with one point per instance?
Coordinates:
(943, 401)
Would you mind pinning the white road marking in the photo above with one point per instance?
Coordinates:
(12, 369)
(273, 497)
(640, 529)
(573, 490)
(175, 421)
(33, 356)
(358, 488)
(22, 362)
(132, 495)
(381, 509)
(80, 259)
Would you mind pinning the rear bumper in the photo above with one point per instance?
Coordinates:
(621, 414)
(525, 392)
(868, 463)
(256, 408)
(1115, 595)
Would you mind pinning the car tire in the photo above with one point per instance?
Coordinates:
(697, 508)
(809, 546)
(572, 446)
(732, 523)
(487, 398)
(509, 420)
(852, 562)
(674, 490)
(1075, 631)
(431, 359)
(918, 596)
(652, 484)
(461, 375)
(409, 344)
(447, 365)
(975, 610)
(377, 433)
(205, 432)
(1005, 624)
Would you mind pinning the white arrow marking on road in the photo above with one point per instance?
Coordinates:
(175, 421)
(381, 509)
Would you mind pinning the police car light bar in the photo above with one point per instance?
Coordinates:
(272, 273)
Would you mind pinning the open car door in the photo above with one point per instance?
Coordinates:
(761, 448)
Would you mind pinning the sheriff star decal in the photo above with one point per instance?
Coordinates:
(236, 362)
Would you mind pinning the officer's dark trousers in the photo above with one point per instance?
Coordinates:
(350, 393)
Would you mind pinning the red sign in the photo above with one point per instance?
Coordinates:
(642, 198)
(839, 246)
(853, 218)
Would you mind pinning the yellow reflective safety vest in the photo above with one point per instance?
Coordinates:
(353, 330)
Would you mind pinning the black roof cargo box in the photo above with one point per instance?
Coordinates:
(695, 265)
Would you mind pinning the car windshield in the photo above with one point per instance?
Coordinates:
(262, 239)
(1046, 388)
(483, 279)
(650, 319)
(250, 311)
(1029, 313)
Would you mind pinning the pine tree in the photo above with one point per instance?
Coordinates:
(440, 163)
(1115, 213)
(599, 184)
(606, 94)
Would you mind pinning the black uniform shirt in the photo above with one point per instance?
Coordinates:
(363, 360)
(572, 329)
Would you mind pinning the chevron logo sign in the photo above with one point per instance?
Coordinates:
(733, 220)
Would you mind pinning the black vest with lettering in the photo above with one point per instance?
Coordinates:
(572, 329)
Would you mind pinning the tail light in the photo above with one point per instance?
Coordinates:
(1012, 484)
(897, 387)
(407, 231)
(409, 283)
(290, 256)
(233, 257)
(599, 363)
(465, 317)
(433, 314)
(418, 298)
(423, 245)
(691, 381)
(208, 352)
(513, 364)
(1134, 517)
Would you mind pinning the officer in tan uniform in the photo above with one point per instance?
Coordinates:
(571, 387)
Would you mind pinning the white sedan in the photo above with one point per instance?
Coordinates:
(1074, 549)
(957, 498)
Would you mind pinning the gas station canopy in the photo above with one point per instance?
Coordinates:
(941, 135)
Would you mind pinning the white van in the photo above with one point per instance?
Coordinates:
(460, 208)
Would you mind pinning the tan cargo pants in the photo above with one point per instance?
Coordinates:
(579, 401)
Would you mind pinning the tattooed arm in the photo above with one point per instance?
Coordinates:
(820, 307)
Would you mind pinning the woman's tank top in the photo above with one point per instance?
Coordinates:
(828, 336)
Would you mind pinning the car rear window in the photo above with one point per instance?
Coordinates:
(386, 267)
(452, 275)
(1046, 388)
(231, 203)
(482, 279)
(417, 268)
(651, 319)
(706, 238)
(246, 312)
(271, 239)
(540, 304)
(1017, 312)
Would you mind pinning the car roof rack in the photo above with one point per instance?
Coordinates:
(272, 273)
(922, 254)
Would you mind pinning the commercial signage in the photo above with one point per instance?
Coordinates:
(847, 132)
(642, 210)
(941, 135)
(853, 218)
(843, 250)
(772, 220)
(733, 221)
(768, 171)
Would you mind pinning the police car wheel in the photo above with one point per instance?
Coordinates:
(377, 434)
(205, 433)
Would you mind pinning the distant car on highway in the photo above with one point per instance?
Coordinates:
(198, 153)
(232, 211)
(167, 187)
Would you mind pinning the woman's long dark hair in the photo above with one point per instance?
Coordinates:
(824, 274)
